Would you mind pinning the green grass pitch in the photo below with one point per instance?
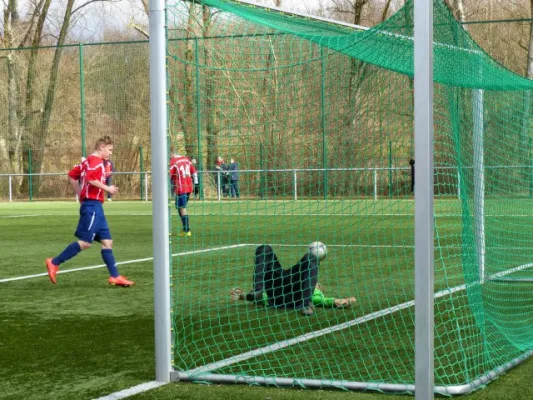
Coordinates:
(82, 339)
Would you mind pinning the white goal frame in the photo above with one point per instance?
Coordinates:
(424, 222)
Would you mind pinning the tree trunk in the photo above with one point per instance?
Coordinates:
(460, 8)
(28, 131)
(50, 94)
(11, 153)
(209, 107)
(186, 114)
(527, 95)
(13, 104)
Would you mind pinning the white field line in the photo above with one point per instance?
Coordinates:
(273, 214)
(312, 335)
(29, 215)
(66, 271)
(72, 215)
(365, 246)
(143, 387)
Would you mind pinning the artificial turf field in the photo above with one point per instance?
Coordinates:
(82, 339)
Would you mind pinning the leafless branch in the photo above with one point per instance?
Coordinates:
(93, 1)
(139, 28)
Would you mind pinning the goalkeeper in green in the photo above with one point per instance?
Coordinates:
(294, 288)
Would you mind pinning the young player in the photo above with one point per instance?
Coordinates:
(92, 224)
(181, 172)
(291, 288)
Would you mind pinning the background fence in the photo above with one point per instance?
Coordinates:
(271, 184)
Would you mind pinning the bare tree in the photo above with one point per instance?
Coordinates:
(16, 34)
(527, 96)
(460, 9)
(210, 112)
(11, 25)
(31, 101)
(530, 47)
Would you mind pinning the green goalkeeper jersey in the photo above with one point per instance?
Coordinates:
(318, 299)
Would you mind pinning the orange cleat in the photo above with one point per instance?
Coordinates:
(120, 281)
(52, 269)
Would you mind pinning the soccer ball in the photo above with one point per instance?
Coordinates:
(318, 249)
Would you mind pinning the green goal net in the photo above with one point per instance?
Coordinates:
(318, 118)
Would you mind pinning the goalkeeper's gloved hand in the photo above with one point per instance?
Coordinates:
(345, 303)
(236, 294)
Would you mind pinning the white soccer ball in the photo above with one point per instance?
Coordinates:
(318, 249)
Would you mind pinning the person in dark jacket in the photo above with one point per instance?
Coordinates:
(234, 178)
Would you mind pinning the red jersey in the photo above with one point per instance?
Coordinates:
(92, 169)
(181, 171)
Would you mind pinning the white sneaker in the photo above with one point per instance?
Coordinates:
(109, 199)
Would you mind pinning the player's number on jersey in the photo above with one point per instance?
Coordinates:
(185, 170)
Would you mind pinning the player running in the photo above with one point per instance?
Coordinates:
(88, 180)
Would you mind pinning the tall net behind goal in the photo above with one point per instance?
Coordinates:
(319, 119)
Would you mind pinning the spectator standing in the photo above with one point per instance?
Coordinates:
(234, 178)
(223, 173)
(412, 165)
(195, 180)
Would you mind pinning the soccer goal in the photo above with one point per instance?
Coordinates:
(264, 90)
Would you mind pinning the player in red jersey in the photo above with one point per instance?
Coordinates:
(88, 180)
(181, 172)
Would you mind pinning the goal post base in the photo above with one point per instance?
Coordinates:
(454, 390)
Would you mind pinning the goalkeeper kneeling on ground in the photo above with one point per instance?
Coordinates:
(294, 288)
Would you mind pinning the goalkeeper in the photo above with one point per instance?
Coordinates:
(294, 288)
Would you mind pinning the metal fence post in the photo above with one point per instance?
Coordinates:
(145, 186)
(458, 184)
(30, 179)
(323, 121)
(141, 167)
(390, 168)
(10, 189)
(219, 187)
(295, 179)
(375, 184)
(530, 169)
(261, 174)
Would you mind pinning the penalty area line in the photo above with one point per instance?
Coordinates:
(143, 387)
(66, 271)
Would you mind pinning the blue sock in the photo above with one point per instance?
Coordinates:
(185, 222)
(70, 251)
(109, 259)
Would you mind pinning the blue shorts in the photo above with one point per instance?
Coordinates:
(92, 224)
(182, 200)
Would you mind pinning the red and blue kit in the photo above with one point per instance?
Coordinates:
(92, 224)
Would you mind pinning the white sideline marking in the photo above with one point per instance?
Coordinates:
(308, 336)
(74, 214)
(366, 246)
(274, 214)
(27, 215)
(143, 387)
(66, 271)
